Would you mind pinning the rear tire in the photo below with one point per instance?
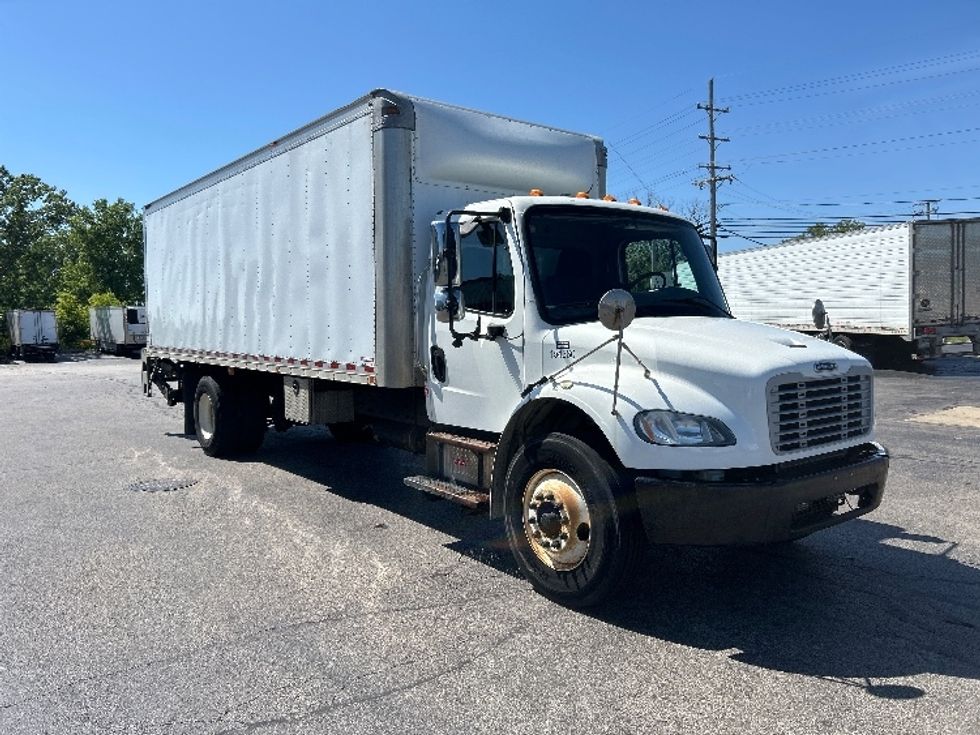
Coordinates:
(570, 521)
(842, 340)
(226, 421)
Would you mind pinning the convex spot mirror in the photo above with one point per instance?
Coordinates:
(617, 309)
(443, 305)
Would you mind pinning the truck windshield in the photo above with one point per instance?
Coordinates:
(578, 253)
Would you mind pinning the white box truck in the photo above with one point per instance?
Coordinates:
(33, 333)
(883, 291)
(384, 271)
(118, 329)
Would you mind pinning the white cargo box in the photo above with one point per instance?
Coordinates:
(302, 257)
(890, 280)
(30, 327)
(117, 327)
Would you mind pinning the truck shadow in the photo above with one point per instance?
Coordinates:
(858, 603)
(855, 604)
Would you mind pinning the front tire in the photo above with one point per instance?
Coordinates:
(570, 522)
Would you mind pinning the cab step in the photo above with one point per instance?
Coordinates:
(460, 494)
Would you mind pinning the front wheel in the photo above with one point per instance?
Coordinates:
(569, 521)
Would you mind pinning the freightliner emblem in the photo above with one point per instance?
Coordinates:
(826, 366)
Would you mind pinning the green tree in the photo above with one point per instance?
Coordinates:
(34, 218)
(106, 298)
(72, 316)
(105, 246)
(823, 230)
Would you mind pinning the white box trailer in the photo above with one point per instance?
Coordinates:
(304, 252)
(384, 271)
(118, 329)
(887, 290)
(33, 333)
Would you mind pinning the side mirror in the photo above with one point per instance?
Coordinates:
(440, 260)
(443, 304)
(819, 315)
(617, 309)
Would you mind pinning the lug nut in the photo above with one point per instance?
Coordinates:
(556, 544)
(564, 537)
(536, 534)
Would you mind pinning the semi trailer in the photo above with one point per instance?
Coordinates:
(117, 329)
(886, 291)
(459, 284)
(33, 333)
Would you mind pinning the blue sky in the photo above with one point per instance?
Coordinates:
(834, 103)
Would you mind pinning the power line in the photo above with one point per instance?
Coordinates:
(858, 76)
(673, 117)
(877, 85)
(846, 117)
(852, 146)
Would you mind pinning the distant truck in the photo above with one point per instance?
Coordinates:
(118, 329)
(33, 334)
(457, 284)
(883, 291)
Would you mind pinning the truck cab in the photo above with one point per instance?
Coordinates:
(682, 425)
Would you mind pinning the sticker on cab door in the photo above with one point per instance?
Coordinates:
(562, 351)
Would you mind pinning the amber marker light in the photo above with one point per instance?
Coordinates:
(634, 200)
(536, 193)
(582, 195)
(609, 198)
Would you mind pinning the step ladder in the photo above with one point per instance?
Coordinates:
(458, 469)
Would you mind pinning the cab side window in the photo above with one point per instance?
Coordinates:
(487, 274)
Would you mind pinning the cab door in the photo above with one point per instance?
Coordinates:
(476, 361)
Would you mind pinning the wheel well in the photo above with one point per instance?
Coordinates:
(536, 419)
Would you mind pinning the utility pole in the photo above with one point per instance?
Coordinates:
(712, 167)
(927, 203)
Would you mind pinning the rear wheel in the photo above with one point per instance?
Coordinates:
(227, 421)
(842, 340)
(569, 521)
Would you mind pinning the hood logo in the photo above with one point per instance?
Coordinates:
(825, 366)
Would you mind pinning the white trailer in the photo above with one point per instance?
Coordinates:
(887, 290)
(384, 271)
(118, 329)
(33, 333)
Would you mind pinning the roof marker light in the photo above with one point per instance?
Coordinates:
(634, 200)
(582, 195)
(609, 198)
(536, 193)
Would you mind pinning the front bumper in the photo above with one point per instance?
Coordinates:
(779, 503)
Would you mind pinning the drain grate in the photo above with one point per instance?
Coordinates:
(160, 486)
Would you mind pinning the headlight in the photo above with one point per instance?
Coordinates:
(673, 429)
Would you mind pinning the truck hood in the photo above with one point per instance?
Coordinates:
(707, 366)
(723, 347)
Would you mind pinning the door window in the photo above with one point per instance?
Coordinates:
(487, 274)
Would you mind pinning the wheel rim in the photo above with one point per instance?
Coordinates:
(556, 520)
(205, 416)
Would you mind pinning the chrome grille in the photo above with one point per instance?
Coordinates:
(805, 412)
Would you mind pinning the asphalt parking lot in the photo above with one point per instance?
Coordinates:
(308, 590)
